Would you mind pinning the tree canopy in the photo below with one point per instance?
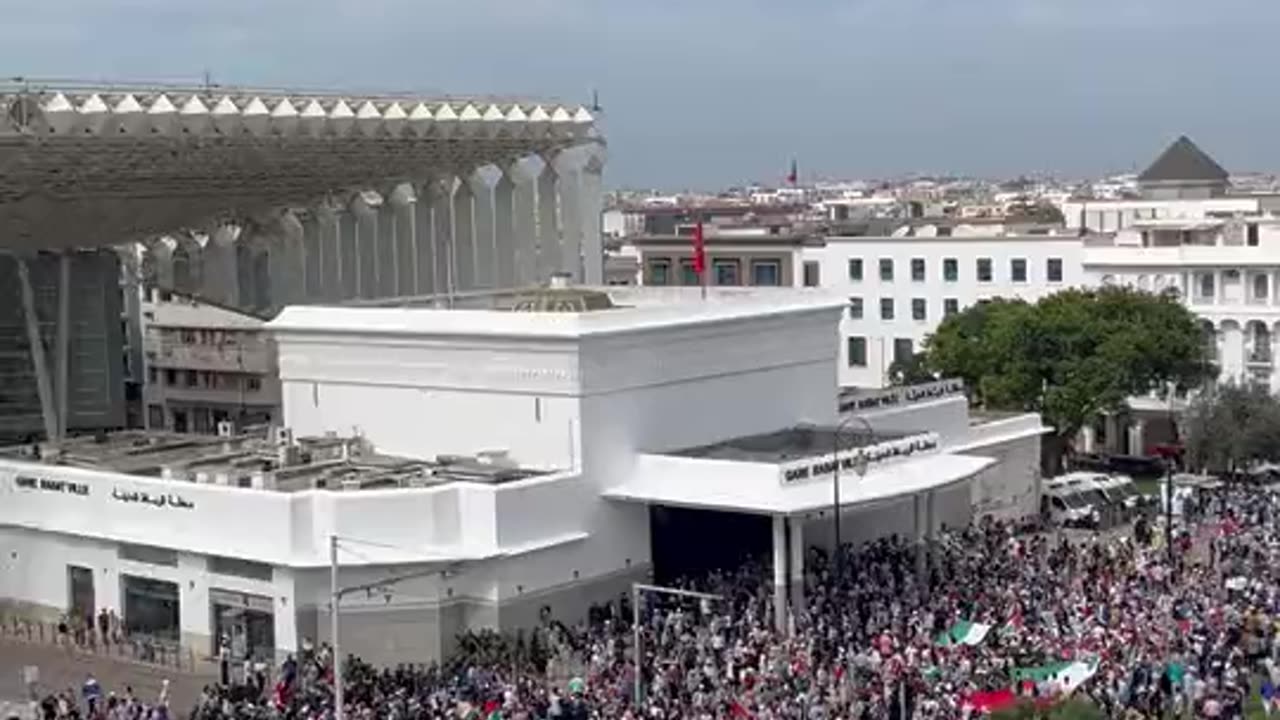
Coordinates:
(1231, 427)
(1071, 355)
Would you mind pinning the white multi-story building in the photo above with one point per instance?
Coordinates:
(900, 288)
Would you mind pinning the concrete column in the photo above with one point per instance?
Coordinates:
(1137, 437)
(591, 187)
(386, 265)
(405, 262)
(365, 210)
(1088, 439)
(525, 228)
(160, 252)
(221, 281)
(485, 238)
(287, 263)
(569, 189)
(442, 235)
(780, 573)
(313, 255)
(331, 253)
(35, 347)
(464, 237)
(424, 251)
(62, 376)
(504, 240)
(348, 254)
(549, 249)
(797, 547)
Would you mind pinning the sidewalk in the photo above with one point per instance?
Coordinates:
(61, 669)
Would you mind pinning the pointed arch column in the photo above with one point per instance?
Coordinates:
(348, 243)
(385, 277)
(287, 262)
(569, 191)
(464, 237)
(485, 235)
(504, 241)
(401, 201)
(424, 251)
(221, 281)
(312, 253)
(442, 235)
(524, 226)
(364, 206)
(591, 187)
(549, 251)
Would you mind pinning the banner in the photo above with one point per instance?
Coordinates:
(964, 633)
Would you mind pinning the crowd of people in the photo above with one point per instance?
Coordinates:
(1117, 619)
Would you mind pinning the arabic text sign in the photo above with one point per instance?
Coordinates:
(848, 461)
(901, 396)
(26, 482)
(157, 499)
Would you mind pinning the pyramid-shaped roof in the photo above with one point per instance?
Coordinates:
(1184, 161)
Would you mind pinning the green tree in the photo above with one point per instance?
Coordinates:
(1231, 427)
(1071, 355)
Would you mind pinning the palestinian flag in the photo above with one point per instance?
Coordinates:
(1064, 676)
(963, 633)
(986, 702)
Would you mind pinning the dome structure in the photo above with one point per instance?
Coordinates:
(558, 296)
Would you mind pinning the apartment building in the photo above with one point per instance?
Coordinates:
(768, 256)
(206, 364)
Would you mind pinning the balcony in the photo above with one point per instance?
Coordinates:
(1260, 357)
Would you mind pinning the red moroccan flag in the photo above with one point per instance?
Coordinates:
(699, 250)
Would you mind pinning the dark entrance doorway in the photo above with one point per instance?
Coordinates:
(689, 542)
(245, 622)
(150, 607)
(80, 599)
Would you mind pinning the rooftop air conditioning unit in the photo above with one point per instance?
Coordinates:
(166, 473)
(258, 481)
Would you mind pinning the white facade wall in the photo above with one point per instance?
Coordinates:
(879, 333)
(1114, 215)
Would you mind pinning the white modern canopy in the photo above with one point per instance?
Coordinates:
(84, 165)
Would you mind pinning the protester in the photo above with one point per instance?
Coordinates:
(995, 615)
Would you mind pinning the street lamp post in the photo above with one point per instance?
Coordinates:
(333, 627)
(859, 466)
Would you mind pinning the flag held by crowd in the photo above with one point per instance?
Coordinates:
(964, 633)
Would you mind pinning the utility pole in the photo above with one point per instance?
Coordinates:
(338, 713)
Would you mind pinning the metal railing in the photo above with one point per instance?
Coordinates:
(136, 648)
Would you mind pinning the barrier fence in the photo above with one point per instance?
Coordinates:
(145, 649)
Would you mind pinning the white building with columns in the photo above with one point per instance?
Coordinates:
(481, 465)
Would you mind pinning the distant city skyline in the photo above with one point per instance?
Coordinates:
(716, 93)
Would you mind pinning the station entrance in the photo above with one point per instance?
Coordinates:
(688, 543)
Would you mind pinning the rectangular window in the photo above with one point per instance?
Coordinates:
(687, 276)
(170, 377)
(917, 269)
(659, 271)
(1053, 269)
(950, 270)
(1252, 234)
(855, 269)
(919, 309)
(155, 417)
(903, 349)
(1206, 286)
(152, 375)
(950, 306)
(193, 378)
(886, 269)
(1018, 270)
(857, 351)
(239, 568)
(766, 273)
(253, 384)
(725, 272)
(812, 275)
(149, 554)
(886, 308)
(984, 269)
(855, 308)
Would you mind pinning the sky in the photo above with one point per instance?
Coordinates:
(711, 93)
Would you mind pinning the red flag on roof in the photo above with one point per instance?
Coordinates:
(793, 176)
(699, 250)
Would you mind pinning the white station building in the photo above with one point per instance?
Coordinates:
(483, 465)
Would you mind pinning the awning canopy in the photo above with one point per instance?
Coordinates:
(754, 487)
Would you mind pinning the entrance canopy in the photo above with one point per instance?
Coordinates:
(767, 474)
(86, 165)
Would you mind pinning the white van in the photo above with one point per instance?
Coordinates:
(1073, 500)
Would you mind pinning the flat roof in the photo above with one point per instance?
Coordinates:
(269, 458)
(639, 309)
(788, 444)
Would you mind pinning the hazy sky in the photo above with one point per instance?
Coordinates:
(702, 93)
